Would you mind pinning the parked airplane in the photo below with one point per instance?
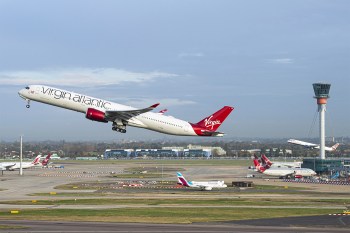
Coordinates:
(283, 172)
(121, 115)
(312, 145)
(10, 166)
(208, 185)
(267, 163)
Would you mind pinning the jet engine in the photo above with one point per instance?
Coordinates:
(95, 115)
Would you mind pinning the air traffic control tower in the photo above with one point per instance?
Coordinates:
(322, 94)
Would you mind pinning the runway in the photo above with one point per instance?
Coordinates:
(286, 225)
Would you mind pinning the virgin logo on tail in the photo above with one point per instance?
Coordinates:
(209, 123)
(213, 121)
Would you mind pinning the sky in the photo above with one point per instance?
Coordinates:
(191, 56)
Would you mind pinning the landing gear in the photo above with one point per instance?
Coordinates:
(121, 128)
(28, 104)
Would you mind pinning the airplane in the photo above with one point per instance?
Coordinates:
(121, 115)
(10, 166)
(283, 172)
(312, 145)
(208, 185)
(267, 163)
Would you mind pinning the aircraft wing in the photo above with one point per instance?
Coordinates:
(302, 143)
(205, 187)
(6, 166)
(127, 114)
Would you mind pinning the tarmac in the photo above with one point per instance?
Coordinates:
(42, 180)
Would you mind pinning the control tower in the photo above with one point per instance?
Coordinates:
(322, 94)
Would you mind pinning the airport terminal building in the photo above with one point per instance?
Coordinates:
(166, 152)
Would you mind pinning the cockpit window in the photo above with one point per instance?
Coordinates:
(27, 88)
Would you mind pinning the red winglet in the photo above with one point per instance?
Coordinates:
(154, 105)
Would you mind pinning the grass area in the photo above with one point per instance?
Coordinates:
(226, 202)
(162, 215)
(8, 227)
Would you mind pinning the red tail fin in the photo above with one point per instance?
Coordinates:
(36, 160)
(213, 121)
(335, 147)
(267, 162)
(46, 160)
(258, 166)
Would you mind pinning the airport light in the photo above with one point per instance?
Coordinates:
(322, 94)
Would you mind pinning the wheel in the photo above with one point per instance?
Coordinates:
(28, 106)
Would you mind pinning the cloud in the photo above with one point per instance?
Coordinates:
(81, 77)
(281, 61)
(185, 55)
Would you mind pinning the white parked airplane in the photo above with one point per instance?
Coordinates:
(312, 145)
(10, 166)
(122, 115)
(208, 185)
(283, 172)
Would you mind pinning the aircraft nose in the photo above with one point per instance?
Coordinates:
(22, 92)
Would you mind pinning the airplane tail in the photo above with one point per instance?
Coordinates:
(36, 160)
(334, 148)
(182, 181)
(46, 160)
(266, 162)
(258, 166)
(212, 122)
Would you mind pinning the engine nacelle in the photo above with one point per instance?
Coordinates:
(95, 115)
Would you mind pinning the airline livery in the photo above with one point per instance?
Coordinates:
(11, 166)
(203, 185)
(267, 163)
(282, 172)
(122, 115)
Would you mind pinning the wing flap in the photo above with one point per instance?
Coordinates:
(125, 115)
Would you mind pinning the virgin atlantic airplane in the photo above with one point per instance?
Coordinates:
(122, 115)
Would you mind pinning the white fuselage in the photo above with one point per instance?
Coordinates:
(289, 171)
(309, 145)
(15, 165)
(81, 103)
(286, 165)
(212, 184)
